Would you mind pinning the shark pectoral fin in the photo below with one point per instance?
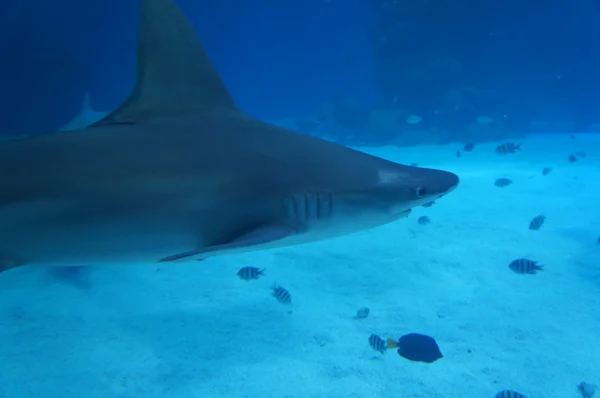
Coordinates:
(253, 237)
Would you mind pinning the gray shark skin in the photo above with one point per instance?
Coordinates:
(178, 172)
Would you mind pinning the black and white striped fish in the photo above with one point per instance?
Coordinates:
(248, 273)
(525, 266)
(377, 343)
(537, 222)
(282, 295)
(507, 147)
(509, 394)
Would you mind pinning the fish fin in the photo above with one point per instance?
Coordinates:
(255, 236)
(391, 344)
(174, 74)
(81, 119)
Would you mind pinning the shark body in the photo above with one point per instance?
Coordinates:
(178, 172)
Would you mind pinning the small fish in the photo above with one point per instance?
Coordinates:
(423, 220)
(581, 154)
(248, 273)
(282, 295)
(469, 147)
(428, 204)
(537, 222)
(525, 266)
(416, 347)
(503, 182)
(413, 119)
(572, 158)
(413, 164)
(507, 147)
(509, 394)
(377, 343)
(546, 171)
(586, 390)
(458, 154)
(362, 313)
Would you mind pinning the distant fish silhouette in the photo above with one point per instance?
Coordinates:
(546, 171)
(413, 119)
(423, 220)
(572, 158)
(428, 204)
(525, 266)
(502, 182)
(362, 313)
(458, 154)
(507, 147)
(537, 222)
(469, 147)
(416, 347)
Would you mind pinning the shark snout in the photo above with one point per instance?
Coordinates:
(439, 182)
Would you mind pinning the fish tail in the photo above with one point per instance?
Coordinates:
(262, 271)
(391, 344)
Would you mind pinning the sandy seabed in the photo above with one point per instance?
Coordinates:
(197, 330)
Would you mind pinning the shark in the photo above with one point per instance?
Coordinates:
(178, 172)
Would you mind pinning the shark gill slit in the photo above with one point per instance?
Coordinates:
(301, 209)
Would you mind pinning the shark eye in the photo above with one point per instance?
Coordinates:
(420, 192)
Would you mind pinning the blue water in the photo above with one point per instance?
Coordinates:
(524, 74)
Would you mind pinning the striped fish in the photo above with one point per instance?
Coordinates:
(507, 147)
(248, 273)
(509, 394)
(525, 266)
(377, 343)
(537, 222)
(282, 295)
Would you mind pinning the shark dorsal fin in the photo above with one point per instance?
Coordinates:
(174, 74)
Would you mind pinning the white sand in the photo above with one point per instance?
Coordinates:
(199, 331)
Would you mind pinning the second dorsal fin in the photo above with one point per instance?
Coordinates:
(174, 73)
